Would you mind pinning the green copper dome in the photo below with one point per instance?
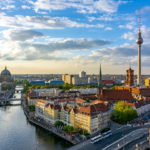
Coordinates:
(5, 72)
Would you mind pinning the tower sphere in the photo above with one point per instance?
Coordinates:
(139, 41)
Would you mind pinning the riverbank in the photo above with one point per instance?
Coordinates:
(49, 127)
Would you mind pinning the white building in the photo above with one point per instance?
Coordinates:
(86, 91)
(76, 80)
(36, 93)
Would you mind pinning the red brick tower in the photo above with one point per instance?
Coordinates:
(130, 77)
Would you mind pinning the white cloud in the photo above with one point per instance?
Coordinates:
(117, 55)
(108, 28)
(129, 36)
(110, 6)
(42, 22)
(134, 34)
(144, 10)
(131, 25)
(109, 17)
(6, 4)
(102, 18)
(82, 6)
(25, 7)
(52, 49)
(21, 35)
(21, 45)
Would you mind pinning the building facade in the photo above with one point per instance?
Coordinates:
(130, 77)
(91, 117)
(6, 80)
(67, 78)
(75, 79)
(147, 82)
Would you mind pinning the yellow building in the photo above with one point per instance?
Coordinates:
(147, 82)
(65, 114)
(91, 118)
(40, 108)
(73, 79)
(52, 112)
(47, 111)
(67, 78)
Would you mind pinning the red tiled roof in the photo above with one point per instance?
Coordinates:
(65, 100)
(108, 82)
(99, 101)
(116, 95)
(79, 100)
(94, 109)
(53, 106)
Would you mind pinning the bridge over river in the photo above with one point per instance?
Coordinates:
(15, 99)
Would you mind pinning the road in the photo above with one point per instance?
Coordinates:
(107, 141)
(131, 145)
(125, 140)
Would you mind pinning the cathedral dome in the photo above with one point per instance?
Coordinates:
(6, 72)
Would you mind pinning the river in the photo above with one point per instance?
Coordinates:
(16, 133)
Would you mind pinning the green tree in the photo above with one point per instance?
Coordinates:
(83, 132)
(87, 100)
(59, 123)
(31, 108)
(123, 113)
(105, 130)
(69, 129)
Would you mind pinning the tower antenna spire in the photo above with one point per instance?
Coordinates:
(100, 84)
(139, 42)
(100, 77)
(130, 65)
(139, 22)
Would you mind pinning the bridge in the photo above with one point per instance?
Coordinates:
(17, 97)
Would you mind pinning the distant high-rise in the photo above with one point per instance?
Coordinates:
(139, 42)
(82, 74)
(130, 77)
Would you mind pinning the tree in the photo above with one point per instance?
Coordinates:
(31, 108)
(6, 87)
(69, 129)
(59, 123)
(83, 132)
(87, 100)
(105, 130)
(123, 113)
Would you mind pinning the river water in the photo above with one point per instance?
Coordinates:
(16, 133)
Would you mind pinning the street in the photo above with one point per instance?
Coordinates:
(107, 141)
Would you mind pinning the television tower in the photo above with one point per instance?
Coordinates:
(139, 42)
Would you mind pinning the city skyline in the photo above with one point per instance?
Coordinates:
(43, 36)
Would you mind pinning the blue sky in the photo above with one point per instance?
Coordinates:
(67, 36)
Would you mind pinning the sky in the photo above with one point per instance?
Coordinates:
(68, 36)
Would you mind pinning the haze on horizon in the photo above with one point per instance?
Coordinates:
(65, 36)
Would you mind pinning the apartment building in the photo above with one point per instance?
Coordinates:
(90, 117)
